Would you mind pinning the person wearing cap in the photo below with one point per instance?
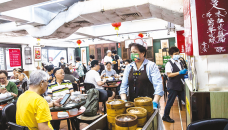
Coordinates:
(94, 77)
(108, 57)
(175, 71)
(62, 63)
(142, 76)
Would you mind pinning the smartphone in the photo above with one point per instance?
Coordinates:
(65, 99)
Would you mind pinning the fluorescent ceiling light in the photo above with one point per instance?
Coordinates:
(4, 1)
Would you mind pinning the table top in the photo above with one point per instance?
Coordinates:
(55, 114)
(113, 81)
(6, 99)
(76, 105)
(111, 85)
(2, 106)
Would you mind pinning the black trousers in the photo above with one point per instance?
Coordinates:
(171, 98)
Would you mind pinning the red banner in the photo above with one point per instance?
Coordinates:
(188, 28)
(15, 57)
(37, 51)
(212, 24)
(181, 41)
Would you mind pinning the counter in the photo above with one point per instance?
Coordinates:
(205, 104)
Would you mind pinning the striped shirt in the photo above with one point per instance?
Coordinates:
(55, 89)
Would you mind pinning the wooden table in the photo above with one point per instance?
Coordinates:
(70, 118)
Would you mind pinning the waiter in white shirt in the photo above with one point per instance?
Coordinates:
(175, 85)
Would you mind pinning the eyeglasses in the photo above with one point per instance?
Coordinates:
(2, 78)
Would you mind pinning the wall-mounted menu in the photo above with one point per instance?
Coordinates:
(15, 57)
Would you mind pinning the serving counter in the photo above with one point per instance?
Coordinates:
(205, 104)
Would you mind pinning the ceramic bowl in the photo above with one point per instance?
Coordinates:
(73, 111)
(72, 97)
(3, 96)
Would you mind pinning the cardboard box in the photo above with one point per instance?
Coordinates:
(159, 58)
(163, 53)
(158, 55)
(160, 51)
(159, 62)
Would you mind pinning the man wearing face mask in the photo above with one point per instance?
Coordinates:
(141, 76)
(175, 71)
(62, 63)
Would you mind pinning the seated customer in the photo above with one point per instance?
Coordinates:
(32, 109)
(50, 69)
(68, 76)
(14, 74)
(94, 77)
(22, 77)
(74, 73)
(58, 89)
(9, 86)
(108, 72)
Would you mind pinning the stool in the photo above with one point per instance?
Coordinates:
(86, 119)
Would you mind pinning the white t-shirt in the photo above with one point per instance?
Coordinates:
(93, 77)
(108, 59)
(169, 68)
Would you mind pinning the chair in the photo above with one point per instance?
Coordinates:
(9, 116)
(24, 86)
(85, 119)
(75, 86)
(210, 124)
(20, 91)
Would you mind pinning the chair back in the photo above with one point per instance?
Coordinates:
(88, 86)
(20, 91)
(9, 113)
(14, 126)
(75, 86)
(24, 86)
(210, 124)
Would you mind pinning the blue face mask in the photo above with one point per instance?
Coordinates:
(176, 57)
(98, 71)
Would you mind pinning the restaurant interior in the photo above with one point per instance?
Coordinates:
(113, 65)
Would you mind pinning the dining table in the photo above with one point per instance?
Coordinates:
(5, 100)
(110, 86)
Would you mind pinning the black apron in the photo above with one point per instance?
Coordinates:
(139, 84)
(175, 83)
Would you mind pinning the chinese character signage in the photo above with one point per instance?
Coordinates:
(181, 41)
(37, 53)
(188, 28)
(212, 24)
(15, 57)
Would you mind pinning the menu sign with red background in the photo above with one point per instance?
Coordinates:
(181, 41)
(188, 28)
(37, 53)
(15, 57)
(212, 24)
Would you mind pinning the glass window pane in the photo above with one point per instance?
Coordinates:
(2, 64)
(56, 55)
(8, 60)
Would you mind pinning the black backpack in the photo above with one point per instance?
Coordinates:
(92, 102)
(84, 69)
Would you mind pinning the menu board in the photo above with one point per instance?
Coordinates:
(37, 53)
(212, 24)
(15, 57)
(188, 28)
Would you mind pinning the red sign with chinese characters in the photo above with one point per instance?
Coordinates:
(181, 41)
(37, 53)
(212, 24)
(15, 57)
(188, 28)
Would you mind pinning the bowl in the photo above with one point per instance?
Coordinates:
(47, 98)
(83, 96)
(72, 97)
(73, 111)
(110, 79)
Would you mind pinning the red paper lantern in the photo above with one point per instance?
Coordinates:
(79, 42)
(140, 35)
(116, 26)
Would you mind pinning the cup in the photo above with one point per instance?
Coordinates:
(73, 111)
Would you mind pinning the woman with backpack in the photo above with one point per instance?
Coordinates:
(80, 69)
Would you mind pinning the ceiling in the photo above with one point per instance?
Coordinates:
(71, 15)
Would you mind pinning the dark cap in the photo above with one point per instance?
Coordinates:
(94, 62)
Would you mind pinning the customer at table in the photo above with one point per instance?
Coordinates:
(175, 71)
(59, 87)
(14, 74)
(108, 72)
(68, 76)
(79, 67)
(94, 77)
(62, 63)
(32, 109)
(108, 57)
(22, 77)
(91, 58)
(74, 73)
(9, 86)
(50, 69)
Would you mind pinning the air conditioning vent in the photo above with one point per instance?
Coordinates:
(131, 15)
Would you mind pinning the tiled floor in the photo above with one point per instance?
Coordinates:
(174, 114)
